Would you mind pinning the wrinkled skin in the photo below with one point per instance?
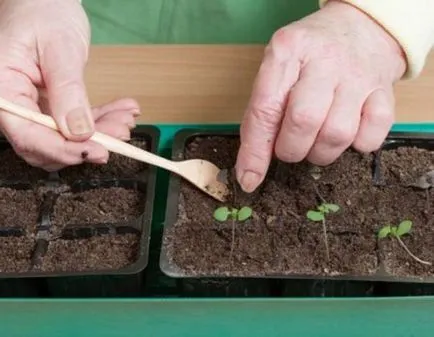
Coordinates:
(44, 48)
(325, 84)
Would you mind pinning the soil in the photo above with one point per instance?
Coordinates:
(118, 166)
(18, 208)
(13, 168)
(397, 169)
(401, 167)
(28, 195)
(101, 205)
(280, 240)
(96, 253)
(16, 253)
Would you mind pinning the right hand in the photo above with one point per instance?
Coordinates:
(44, 48)
(325, 84)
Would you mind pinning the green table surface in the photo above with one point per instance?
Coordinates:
(219, 318)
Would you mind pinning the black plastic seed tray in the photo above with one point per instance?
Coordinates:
(380, 283)
(80, 232)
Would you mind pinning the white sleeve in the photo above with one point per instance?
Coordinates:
(411, 23)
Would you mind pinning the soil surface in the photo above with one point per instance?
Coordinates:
(13, 168)
(18, 208)
(279, 239)
(101, 205)
(399, 167)
(402, 167)
(119, 167)
(16, 254)
(21, 209)
(96, 253)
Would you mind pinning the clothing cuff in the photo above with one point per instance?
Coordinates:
(411, 23)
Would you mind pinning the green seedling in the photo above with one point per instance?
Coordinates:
(222, 214)
(320, 215)
(397, 232)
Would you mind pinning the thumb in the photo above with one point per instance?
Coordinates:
(62, 66)
(263, 117)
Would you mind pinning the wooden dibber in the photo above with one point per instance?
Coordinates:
(203, 174)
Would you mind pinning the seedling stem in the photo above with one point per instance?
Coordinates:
(396, 232)
(320, 215)
(223, 213)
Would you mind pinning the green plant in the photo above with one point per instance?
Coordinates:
(397, 232)
(320, 215)
(222, 214)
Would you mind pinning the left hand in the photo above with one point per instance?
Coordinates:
(116, 119)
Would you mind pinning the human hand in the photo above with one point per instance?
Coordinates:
(325, 84)
(115, 119)
(43, 52)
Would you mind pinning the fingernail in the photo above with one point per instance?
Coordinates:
(135, 112)
(249, 181)
(94, 158)
(78, 122)
(101, 160)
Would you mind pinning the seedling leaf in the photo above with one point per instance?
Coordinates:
(397, 231)
(384, 232)
(244, 213)
(404, 227)
(221, 214)
(315, 216)
(332, 207)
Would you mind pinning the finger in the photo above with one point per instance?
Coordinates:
(308, 105)
(37, 161)
(114, 129)
(52, 167)
(124, 118)
(122, 110)
(340, 127)
(126, 105)
(56, 149)
(62, 65)
(277, 74)
(39, 145)
(377, 120)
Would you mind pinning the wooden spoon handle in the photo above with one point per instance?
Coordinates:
(110, 143)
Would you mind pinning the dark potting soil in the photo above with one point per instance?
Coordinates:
(95, 253)
(396, 167)
(279, 239)
(16, 254)
(402, 167)
(118, 166)
(18, 208)
(101, 205)
(13, 168)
